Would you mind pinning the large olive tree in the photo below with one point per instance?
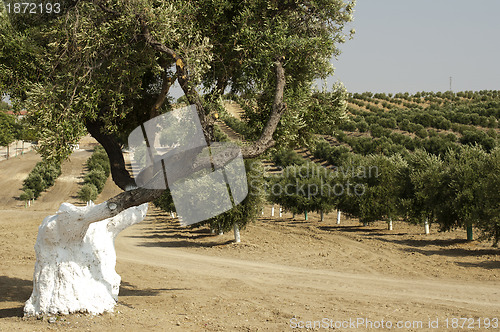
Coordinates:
(106, 66)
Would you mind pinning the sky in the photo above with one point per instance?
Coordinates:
(417, 45)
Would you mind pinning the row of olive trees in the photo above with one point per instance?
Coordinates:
(240, 215)
(41, 177)
(459, 189)
(95, 179)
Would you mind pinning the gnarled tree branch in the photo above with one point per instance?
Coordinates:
(167, 83)
(265, 140)
(119, 173)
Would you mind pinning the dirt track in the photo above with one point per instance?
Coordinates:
(284, 270)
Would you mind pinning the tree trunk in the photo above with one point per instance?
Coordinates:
(236, 229)
(272, 211)
(8, 150)
(470, 236)
(305, 215)
(281, 212)
(322, 216)
(338, 217)
(427, 227)
(389, 224)
(76, 258)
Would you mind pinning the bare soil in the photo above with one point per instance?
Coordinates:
(284, 270)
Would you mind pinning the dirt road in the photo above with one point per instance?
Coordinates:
(284, 273)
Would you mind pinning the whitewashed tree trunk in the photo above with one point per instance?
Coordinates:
(426, 226)
(262, 210)
(389, 224)
(338, 217)
(281, 212)
(272, 211)
(236, 229)
(76, 258)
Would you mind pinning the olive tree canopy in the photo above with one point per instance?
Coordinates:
(106, 66)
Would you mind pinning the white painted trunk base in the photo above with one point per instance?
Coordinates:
(427, 227)
(75, 260)
(237, 238)
(389, 225)
(338, 217)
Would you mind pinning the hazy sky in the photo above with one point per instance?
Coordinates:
(403, 45)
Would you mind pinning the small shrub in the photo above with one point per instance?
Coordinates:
(88, 192)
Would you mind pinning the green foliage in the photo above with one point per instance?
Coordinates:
(239, 126)
(41, 177)
(8, 128)
(27, 195)
(97, 175)
(326, 110)
(99, 160)
(285, 157)
(93, 64)
(165, 202)
(333, 154)
(308, 187)
(248, 210)
(88, 192)
(242, 213)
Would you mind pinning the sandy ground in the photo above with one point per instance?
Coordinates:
(284, 271)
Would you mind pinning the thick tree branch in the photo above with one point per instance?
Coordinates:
(167, 83)
(265, 140)
(119, 173)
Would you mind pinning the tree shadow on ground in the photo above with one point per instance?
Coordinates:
(448, 247)
(14, 290)
(185, 244)
(488, 265)
(352, 229)
(165, 235)
(176, 236)
(127, 289)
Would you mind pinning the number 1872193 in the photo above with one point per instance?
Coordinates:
(33, 8)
